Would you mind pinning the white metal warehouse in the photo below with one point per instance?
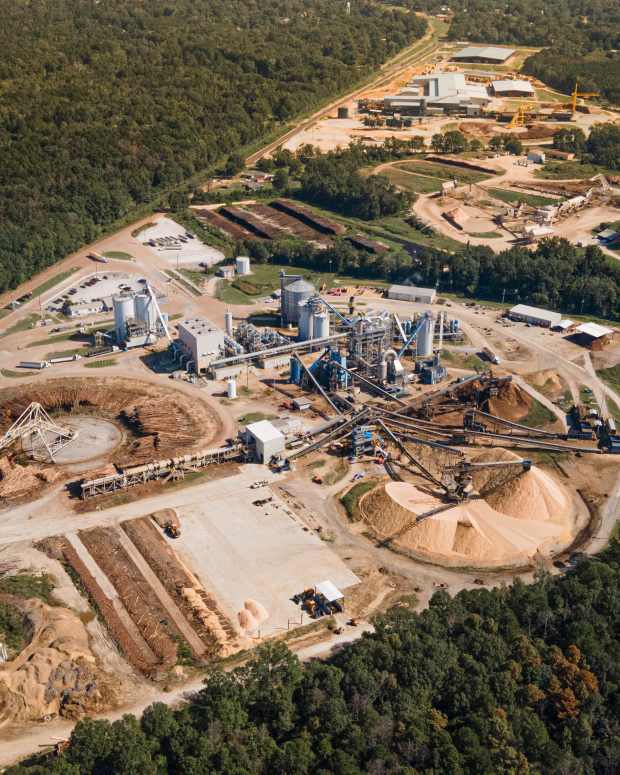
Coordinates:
(412, 293)
(534, 315)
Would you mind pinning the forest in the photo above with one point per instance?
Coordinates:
(518, 680)
(105, 106)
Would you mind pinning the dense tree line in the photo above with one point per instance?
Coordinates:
(519, 680)
(555, 274)
(105, 105)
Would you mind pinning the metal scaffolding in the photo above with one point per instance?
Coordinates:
(35, 425)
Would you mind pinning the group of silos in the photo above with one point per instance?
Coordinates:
(313, 320)
(134, 308)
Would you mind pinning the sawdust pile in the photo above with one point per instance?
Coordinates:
(16, 480)
(548, 381)
(511, 402)
(252, 615)
(56, 673)
(523, 514)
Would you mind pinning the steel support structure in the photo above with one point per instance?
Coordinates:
(35, 423)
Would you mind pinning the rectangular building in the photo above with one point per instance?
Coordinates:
(266, 438)
(445, 92)
(201, 342)
(512, 88)
(534, 315)
(495, 55)
(412, 293)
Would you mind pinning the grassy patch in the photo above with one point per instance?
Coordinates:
(535, 200)
(194, 276)
(52, 281)
(611, 376)
(316, 464)
(460, 360)
(101, 364)
(140, 229)
(486, 234)
(28, 585)
(10, 374)
(118, 255)
(179, 279)
(538, 415)
(65, 353)
(351, 500)
(338, 472)
(565, 170)
(22, 325)
(255, 417)
(444, 171)
(409, 181)
(545, 95)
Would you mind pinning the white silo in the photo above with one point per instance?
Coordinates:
(144, 311)
(306, 321)
(424, 339)
(242, 265)
(231, 388)
(320, 327)
(228, 323)
(292, 295)
(123, 311)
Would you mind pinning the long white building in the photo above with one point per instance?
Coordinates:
(448, 92)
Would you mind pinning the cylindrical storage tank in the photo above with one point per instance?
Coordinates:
(306, 320)
(228, 323)
(320, 326)
(231, 388)
(293, 295)
(123, 311)
(144, 310)
(295, 371)
(242, 265)
(424, 339)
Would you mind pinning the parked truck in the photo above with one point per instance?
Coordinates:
(33, 364)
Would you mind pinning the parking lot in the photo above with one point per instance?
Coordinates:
(97, 287)
(177, 245)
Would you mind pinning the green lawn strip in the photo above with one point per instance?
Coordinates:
(101, 364)
(66, 353)
(535, 200)
(461, 360)
(486, 234)
(443, 171)
(52, 281)
(351, 500)
(10, 374)
(415, 184)
(567, 170)
(194, 276)
(611, 376)
(22, 325)
(118, 255)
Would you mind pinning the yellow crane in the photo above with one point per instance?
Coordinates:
(519, 117)
(576, 93)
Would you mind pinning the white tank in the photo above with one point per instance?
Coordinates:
(306, 321)
(293, 294)
(231, 388)
(123, 311)
(144, 310)
(228, 323)
(424, 339)
(320, 326)
(242, 264)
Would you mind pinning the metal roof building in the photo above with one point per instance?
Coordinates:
(493, 54)
(267, 439)
(512, 88)
(412, 293)
(448, 91)
(534, 315)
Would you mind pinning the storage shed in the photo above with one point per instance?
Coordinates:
(267, 439)
(412, 293)
(534, 315)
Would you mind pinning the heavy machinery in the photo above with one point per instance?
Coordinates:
(575, 94)
(520, 117)
(458, 478)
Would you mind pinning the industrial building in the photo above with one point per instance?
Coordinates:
(266, 439)
(495, 55)
(199, 343)
(412, 293)
(534, 315)
(138, 319)
(512, 88)
(439, 92)
(294, 292)
(593, 336)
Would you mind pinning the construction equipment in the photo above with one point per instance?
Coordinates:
(519, 118)
(575, 94)
(35, 425)
(458, 478)
(172, 530)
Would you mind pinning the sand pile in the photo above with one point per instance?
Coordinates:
(252, 615)
(529, 514)
(56, 673)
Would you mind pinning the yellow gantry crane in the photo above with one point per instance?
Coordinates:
(520, 116)
(576, 93)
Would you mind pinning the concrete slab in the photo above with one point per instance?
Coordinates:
(241, 552)
(175, 251)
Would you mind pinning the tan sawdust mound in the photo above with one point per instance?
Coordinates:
(246, 620)
(511, 403)
(546, 377)
(528, 512)
(56, 673)
(258, 610)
